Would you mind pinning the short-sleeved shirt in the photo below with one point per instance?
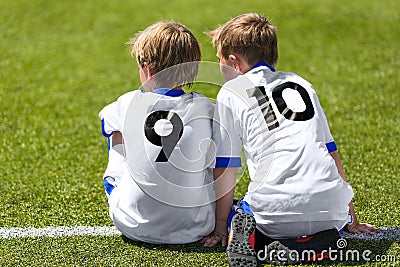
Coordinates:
(167, 195)
(278, 121)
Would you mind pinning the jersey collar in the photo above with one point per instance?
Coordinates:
(262, 63)
(169, 92)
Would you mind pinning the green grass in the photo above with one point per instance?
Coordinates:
(62, 61)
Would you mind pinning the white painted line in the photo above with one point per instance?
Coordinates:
(58, 231)
(390, 234)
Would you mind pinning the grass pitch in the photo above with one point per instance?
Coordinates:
(62, 61)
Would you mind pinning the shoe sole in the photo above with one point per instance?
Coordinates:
(279, 254)
(240, 253)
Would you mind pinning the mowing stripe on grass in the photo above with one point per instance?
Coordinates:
(58, 231)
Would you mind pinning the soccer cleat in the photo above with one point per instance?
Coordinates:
(240, 253)
(303, 250)
(279, 254)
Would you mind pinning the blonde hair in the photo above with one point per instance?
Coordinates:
(250, 35)
(166, 44)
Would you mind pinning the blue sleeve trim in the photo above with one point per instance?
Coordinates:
(331, 147)
(104, 131)
(225, 162)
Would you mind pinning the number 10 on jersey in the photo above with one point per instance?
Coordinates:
(277, 95)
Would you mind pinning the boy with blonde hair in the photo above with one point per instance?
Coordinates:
(157, 181)
(297, 185)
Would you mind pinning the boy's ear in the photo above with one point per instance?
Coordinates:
(147, 70)
(239, 63)
(236, 62)
(233, 59)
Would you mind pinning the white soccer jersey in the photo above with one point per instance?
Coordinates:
(278, 120)
(166, 194)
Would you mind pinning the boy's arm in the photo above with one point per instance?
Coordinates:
(355, 226)
(224, 181)
(116, 139)
(116, 135)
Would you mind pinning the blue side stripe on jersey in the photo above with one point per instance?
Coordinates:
(103, 131)
(226, 162)
(331, 147)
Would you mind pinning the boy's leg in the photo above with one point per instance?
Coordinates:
(116, 163)
(247, 246)
(241, 227)
(293, 251)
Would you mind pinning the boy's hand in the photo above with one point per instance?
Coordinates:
(213, 239)
(361, 228)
